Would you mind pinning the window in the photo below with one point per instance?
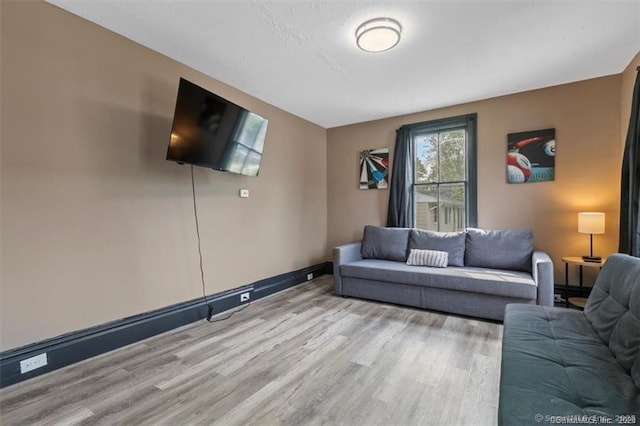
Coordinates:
(444, 178)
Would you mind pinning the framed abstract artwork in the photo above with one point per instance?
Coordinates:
(374, 168)
(531, 156)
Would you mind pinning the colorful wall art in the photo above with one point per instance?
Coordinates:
(531, 156)
(374, 169)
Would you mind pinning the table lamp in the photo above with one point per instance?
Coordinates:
(591, 223)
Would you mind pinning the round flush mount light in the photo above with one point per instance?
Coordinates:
(378, 35)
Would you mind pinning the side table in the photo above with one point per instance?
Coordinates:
(577, 260)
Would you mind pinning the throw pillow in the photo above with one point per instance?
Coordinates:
(451, 242)
(385, 243)
(500, 249)
(435, 258)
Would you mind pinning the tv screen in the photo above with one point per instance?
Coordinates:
(210, 131)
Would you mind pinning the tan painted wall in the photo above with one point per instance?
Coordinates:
(586, 116)
(628, 80)
(96, 225)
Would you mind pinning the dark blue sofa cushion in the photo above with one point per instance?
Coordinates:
(500, 249)
(385, 243)
(513, 284)
(451, 242)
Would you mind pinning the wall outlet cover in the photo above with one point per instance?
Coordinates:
(32, 363)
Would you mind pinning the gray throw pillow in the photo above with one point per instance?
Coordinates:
(451, 242)
(385, 243)
(499, 249)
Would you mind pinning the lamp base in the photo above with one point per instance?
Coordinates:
(594, 259)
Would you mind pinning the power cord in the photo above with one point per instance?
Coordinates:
(204, 293)
(228, 316)
(195, 213)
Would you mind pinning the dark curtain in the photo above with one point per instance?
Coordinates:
(400, 212)
(630, 192)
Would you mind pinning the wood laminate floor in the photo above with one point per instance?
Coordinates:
(300, 357)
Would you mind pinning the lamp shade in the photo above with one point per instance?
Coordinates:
(591, 223)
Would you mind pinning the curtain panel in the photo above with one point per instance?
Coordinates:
(400, 211)
(630, 187)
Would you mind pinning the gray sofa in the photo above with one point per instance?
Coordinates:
(485, 271)
(567, 366)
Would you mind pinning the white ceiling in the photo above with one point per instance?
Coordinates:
(301, 55)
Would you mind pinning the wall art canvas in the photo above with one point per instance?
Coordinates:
(374, 169)
(531, 156)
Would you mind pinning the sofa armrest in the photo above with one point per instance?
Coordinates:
(542, 272)
(341, 255)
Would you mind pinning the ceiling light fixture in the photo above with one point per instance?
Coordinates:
(378, 35)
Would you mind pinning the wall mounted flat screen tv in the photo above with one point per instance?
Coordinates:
(210, 131)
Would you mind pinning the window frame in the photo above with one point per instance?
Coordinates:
(469, 123)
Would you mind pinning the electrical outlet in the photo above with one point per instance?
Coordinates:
(310, 276)
(32, 363)
(244, 297)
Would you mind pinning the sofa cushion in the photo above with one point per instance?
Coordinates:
(501, 249)
(568, 369)
(434, 258)
(451, 242)
(514, 284)
(613, 309)
(385, 243)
